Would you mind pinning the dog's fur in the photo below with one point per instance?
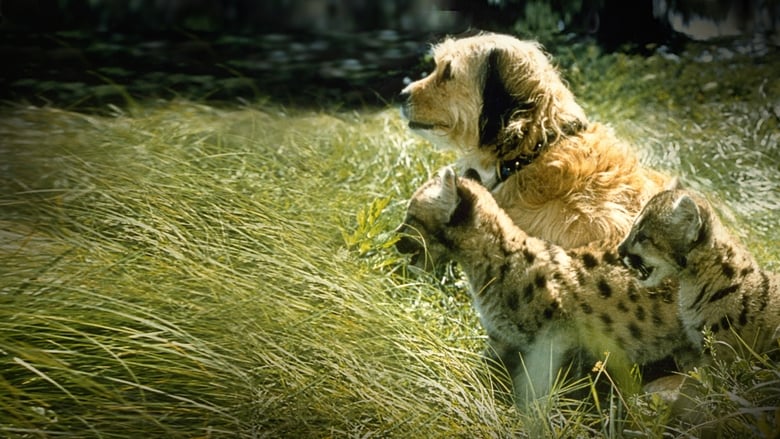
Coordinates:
(493, 98)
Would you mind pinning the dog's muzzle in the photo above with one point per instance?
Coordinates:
(404, 97)
(420, 126)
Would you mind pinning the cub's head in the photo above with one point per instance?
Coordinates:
(436, 208)
(670, 225)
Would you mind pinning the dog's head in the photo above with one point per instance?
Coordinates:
(492, 94)
(670, 225)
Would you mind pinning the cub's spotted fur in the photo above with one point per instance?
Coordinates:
(722, 288)
(533, 297)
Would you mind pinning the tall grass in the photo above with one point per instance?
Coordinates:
(183, 270)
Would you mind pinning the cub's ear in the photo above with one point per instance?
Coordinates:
(687, 217)
(448, 191)
(674, 184)
(472, 174)
(448, 178)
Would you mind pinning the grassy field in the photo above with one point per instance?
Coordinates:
(178, 269)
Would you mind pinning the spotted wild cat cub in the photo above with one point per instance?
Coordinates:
(537, 301)
(722, 288)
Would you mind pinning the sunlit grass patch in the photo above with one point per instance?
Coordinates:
(183, 270)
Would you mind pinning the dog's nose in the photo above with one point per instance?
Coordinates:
(404, 95)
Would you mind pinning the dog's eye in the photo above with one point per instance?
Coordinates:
(446, 73)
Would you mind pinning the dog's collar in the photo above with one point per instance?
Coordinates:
(505, 168)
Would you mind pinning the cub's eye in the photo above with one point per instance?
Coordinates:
(642, 236)
(446, 73)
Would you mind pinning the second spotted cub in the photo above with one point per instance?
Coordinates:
(537, 301)
(722, 288)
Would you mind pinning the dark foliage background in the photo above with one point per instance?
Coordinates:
(86, 53)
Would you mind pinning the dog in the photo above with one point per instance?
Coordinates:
(502, 104)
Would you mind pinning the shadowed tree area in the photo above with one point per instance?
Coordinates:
(89, 53)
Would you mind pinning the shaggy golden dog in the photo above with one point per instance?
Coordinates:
(501, 103)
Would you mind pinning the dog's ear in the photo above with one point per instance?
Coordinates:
(497, 103)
